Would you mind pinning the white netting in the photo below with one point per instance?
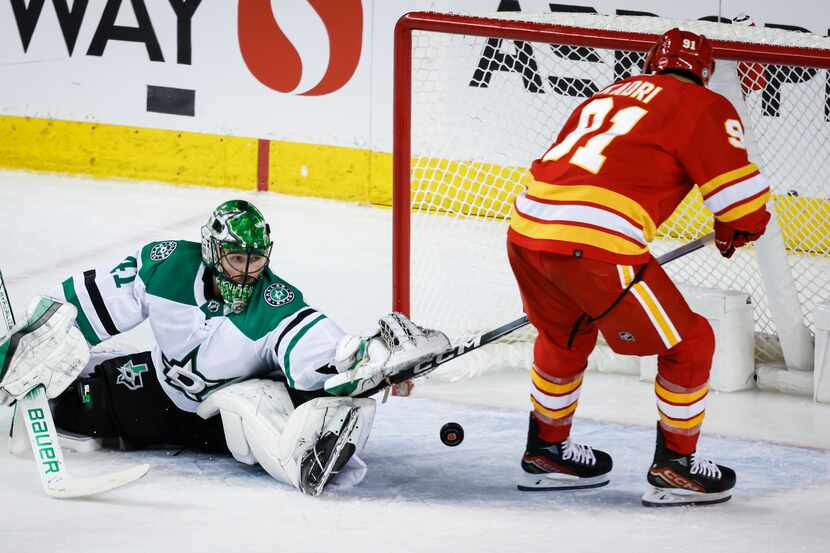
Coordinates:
(484, 108)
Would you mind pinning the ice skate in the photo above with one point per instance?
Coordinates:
(686, 479)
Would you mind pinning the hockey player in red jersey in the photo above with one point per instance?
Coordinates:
(622, 163)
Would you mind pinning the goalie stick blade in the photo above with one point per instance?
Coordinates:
(82, 487)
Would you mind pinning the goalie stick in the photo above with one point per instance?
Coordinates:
(472, 343)
(43, 438)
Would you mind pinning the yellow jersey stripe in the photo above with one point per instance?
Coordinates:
(727, 178)
(744, 209)
(574, 233)
(680, 398)
(595, 195)
(657, 318)
(627, 274)
(687, 424)
(552, 388)
(659, 313)
(551, 413)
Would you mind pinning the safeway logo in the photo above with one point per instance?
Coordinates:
(284, 52)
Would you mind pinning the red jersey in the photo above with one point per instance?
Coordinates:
(625, 159)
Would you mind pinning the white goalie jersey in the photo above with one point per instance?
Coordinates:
(198, 347)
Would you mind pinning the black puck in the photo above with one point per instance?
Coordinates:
(452, 434)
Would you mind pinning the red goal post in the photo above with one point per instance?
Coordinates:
(427, 183)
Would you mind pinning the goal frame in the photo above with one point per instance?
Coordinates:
(797, 336)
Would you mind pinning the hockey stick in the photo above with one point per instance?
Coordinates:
(43, 438)
(474, 342)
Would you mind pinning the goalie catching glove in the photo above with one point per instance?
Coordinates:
(45, 350)
(365, 364)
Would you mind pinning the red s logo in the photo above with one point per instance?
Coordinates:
(275, 62)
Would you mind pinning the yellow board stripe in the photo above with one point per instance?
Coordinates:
(595, 195)
(691, 423)
(352, 174)
(552, 388)
(577, 234)
(551, 413)
(680, 398)
(727, 178)
(744, 209)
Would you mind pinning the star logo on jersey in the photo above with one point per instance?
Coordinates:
(162, 250)
(278, 294)
(183, 375)
(130, 375)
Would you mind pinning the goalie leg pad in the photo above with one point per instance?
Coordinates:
(262, 426)
(320, 438)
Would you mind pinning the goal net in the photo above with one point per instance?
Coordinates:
(478, 98)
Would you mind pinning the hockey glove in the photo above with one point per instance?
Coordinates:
(47, 349)
(733, 235)
(365, 364)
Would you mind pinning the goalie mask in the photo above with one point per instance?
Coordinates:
(236, 245)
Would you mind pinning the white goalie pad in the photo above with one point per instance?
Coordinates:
(366, 362)
(47, 349)
(262, 426)
(316, 418)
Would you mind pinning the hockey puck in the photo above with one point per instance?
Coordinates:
(452, 434)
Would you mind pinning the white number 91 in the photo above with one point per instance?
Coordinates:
(689, 43)
(736, 133)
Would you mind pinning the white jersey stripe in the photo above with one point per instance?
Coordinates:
(682, 411)
(554, 402)
(735, 193)
(579, 214)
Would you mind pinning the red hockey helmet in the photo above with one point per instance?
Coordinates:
(684, 51)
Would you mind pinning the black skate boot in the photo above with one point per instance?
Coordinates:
(685, 479)
(325, 459)
(561, 466)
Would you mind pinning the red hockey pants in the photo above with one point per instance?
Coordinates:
(569, 299)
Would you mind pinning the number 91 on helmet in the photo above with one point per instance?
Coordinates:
(684, 52)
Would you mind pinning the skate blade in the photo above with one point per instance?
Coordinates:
(675, 497)
(551, 482)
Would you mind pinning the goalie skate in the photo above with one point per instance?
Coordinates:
(328, 455)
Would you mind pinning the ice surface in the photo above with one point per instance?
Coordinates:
(419, 495)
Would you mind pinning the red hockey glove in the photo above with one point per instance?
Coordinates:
(733, 235)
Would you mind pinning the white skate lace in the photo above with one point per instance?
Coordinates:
(705, 467)
(582, 454)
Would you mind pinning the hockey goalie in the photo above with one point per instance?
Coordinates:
(241, 365)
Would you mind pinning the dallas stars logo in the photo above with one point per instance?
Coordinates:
(130, 375)
(278, 294)
(162, 250)
(184, 376)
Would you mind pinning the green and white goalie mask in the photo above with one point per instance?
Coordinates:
(236, 245)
